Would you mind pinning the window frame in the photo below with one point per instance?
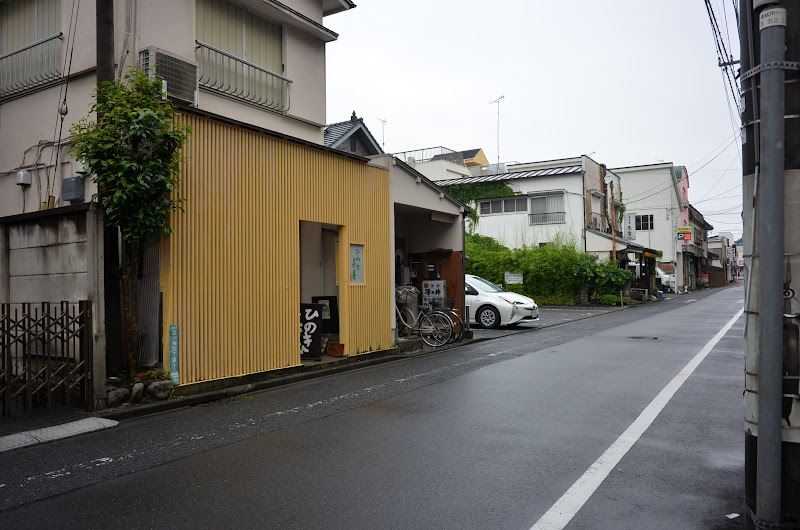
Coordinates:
(482, 203)
(548, 214)
(640, 224)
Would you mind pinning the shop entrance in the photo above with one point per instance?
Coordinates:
(318, 280)
(426, 255)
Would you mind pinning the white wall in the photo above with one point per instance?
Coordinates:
(513, 229)
(441, 170)
(650, 190)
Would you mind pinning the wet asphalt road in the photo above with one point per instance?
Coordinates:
(485, 436)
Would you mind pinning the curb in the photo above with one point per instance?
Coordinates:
(56, 432)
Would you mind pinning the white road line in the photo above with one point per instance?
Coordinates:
(689, 301)
(565, 508)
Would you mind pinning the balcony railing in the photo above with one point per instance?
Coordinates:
(551, 218)
(30, 66)
(231, 75)
(431, 153)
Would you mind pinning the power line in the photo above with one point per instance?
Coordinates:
(718, 180)
(725, 143)
(715, 156)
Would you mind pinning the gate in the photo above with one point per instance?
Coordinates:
(46, 356)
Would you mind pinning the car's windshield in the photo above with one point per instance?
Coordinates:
(483, 285)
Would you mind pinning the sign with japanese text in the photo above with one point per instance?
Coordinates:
(629, 228)
(512, 277)
(434, 292)
(311, 330)
(357, 264)
(684, 233)
(173, 354)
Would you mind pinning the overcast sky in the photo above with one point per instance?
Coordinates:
(628, 82)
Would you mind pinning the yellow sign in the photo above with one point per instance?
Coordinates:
(650, 255)
(684, 233)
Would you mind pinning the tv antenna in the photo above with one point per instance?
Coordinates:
(383, 133)
(498, 129)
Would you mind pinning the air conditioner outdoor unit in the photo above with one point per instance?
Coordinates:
(179, 73)
(596, 222)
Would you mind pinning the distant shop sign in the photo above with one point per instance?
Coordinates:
(630, 227)
(684, 233)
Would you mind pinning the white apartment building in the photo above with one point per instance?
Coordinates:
(656, 195)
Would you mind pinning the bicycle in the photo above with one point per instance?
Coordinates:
(433, 327)
(455, 320)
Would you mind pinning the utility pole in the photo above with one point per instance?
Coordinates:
(771, 166)
(104, 17)
(613, 225)
(498, 129)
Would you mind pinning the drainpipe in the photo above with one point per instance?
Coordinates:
(772, 27)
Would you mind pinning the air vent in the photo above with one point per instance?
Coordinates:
(179, 73)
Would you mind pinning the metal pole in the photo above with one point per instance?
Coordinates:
(772, 28)
(104, 18)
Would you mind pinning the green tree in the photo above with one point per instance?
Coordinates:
(133, 151)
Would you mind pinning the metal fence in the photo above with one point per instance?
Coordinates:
(31, 65)
(547, 218)
(46, 356)
(226, 73)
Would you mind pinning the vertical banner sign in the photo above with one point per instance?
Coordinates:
(311, 331)
(630, 227)
(357, 264)
(684, 233)
(173, 354)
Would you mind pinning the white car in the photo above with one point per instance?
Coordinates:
(490, 305)
(667, 280)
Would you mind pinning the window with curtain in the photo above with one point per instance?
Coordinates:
(30, 44)
(547, 209)
(240, 53)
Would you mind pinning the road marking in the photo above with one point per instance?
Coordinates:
(565, 508)
(689, 301)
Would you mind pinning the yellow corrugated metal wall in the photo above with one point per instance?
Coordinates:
(231, 270)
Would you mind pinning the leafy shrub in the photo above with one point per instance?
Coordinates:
(557, 299)
(610, 299)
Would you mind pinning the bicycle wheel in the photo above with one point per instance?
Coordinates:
(435, 329)
(458, 326)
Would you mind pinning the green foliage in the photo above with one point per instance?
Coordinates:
(611, 299)
(133, 153)
(133, 150)
(158, 375)
(470, 194)
(650, 263)
(600, 277)
(552, 274)
(241, 397)
(558, 299)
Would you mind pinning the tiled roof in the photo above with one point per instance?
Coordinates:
(502, 177)
(669, 268)
(334, 131)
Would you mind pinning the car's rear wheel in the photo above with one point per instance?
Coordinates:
(488, 317)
